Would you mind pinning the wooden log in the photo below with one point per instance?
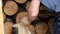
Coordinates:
(51, 25)
(8, 27)
(41, 28)
(22, 29)
(46, 15)
(42, 7)
(28, 5)
(51, 22)
(32, 29)
(10, 8)
(21, 1)
(43, 15)
(51, 30)
(1, 19)
(20, 16)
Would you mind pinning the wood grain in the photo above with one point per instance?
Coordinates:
(20, 16)
(32, 29)
(21, 1)
(8, 28)
(10, 8)
(41, 28)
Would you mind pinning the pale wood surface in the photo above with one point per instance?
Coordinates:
(22, 29)
(1, 19)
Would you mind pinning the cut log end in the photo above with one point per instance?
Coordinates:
(8, 28)
(21, 1)
(20, 16)
(32, 29)
(41, 28)
(10, 8)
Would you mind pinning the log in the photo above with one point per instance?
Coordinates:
(43, 15)
(20, 16)
(32, 29)
(41, 28)
(46, 15)
(21, 1)
(8, 27)
(42, 7)
(51, 30)
(51, 25)
(51, 22)
(28, 5)
(10, 8)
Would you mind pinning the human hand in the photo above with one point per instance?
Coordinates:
(25, 21)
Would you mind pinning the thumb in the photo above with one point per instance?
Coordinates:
(25, 20)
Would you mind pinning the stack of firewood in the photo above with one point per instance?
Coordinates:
(15, 10)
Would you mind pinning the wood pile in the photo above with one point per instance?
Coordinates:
(17, 9)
